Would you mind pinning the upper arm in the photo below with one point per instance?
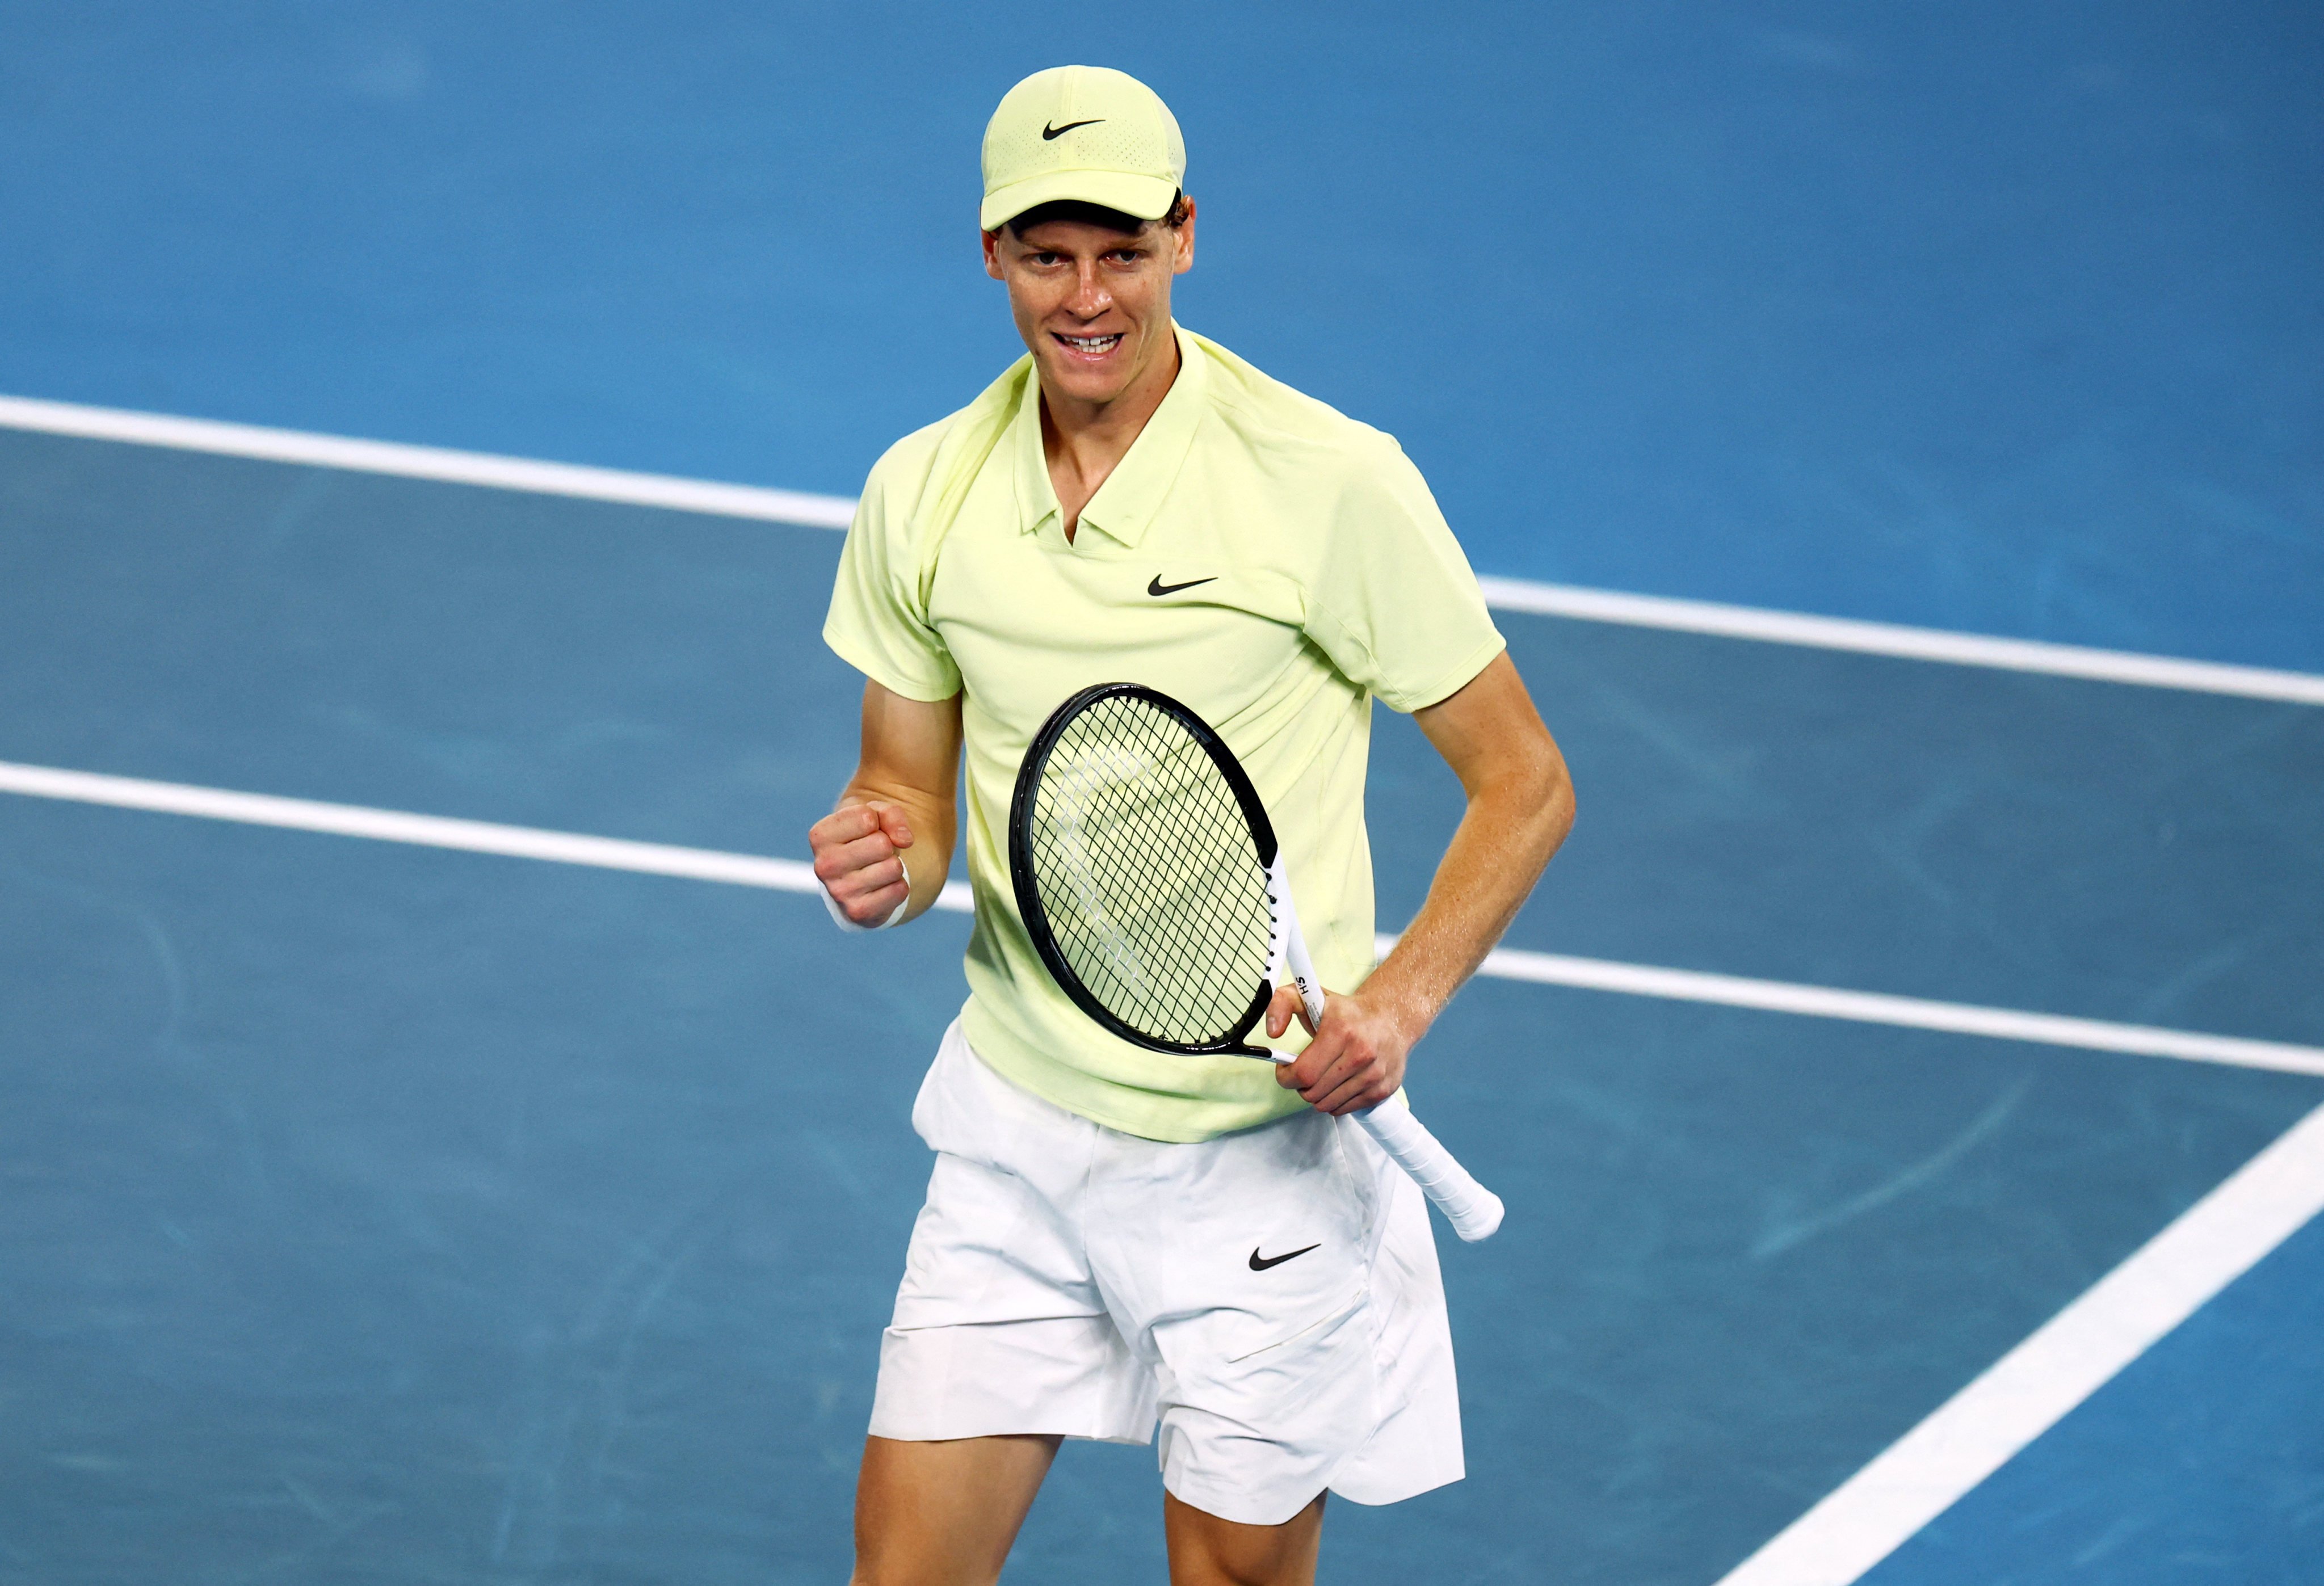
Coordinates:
(910, 746)
(1390, 597)
(1490, 734)
(879, 622)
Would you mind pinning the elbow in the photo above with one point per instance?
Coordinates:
(1556, 805)
(1549, 793)
(1537, 798)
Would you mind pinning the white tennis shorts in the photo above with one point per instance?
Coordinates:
(1270, 1299)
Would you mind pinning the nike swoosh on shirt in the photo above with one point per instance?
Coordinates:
(1258, 1263)
(1051, 133)
(1158, 587)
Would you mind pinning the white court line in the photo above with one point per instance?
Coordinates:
(1967, 1018)
(427, 462)
(792, 875)
(834, 512)
(1928, 644)
(428, 831)
(2034, 1387)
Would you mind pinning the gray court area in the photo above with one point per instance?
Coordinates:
(382, 1214)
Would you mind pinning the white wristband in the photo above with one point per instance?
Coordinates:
(839, 915)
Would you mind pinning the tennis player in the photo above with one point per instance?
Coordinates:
(1120, 1244)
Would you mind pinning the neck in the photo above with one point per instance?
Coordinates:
(1082, 440)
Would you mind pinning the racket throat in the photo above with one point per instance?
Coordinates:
(1287, 948)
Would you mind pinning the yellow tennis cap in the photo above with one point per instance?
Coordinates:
(1088, 132)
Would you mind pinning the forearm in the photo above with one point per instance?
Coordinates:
(894, 821)
(1512, 827)
(1520, 807)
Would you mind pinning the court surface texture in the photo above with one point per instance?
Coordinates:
(441, 1141)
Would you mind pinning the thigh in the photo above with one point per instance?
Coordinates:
(944, 1514)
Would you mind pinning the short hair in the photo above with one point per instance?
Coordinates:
(1087, 214)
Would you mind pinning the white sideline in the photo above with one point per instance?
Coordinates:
(427, 462)
(1967, 1018)
(792, 875)
(834, 512)
(2034, 1387)
(429, 831)
(1928, 644)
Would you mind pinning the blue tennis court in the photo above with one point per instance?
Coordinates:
(414, 1211)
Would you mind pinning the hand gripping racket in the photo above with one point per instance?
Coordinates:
(1148, 878)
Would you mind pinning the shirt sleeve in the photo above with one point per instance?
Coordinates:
(879, 621)
(1392, 600)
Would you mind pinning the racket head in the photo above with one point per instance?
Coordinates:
(1138, 852)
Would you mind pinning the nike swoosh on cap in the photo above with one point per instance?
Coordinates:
(1257, 1264)
(1051, 133)
(1156, 586)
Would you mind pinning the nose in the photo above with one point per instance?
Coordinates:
(1089, 297)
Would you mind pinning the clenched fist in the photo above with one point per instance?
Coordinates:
(859, 859)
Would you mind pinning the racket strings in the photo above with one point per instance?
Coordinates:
(1147, 870)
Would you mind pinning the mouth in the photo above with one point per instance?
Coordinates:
(1087, 346)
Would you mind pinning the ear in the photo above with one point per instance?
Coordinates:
(1185, 235)
(993, 253)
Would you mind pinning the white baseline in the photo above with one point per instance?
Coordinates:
(792, 875)
(835, 512)
(427, 462)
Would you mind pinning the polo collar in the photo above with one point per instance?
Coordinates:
(1126, 504)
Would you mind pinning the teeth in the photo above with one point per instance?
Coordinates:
(1091, 343)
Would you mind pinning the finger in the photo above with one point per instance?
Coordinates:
(1354, 1092)
(1331, 1036)
(1378, 1080)
(850, 890)
(1301, 1073)
(1350, 1087)
(873, 908)
(844, 859)
(1285, 1008)
(844, 826)
(1309, 1066)
(860, 883)
(1348, 1060)
(1333, 1082)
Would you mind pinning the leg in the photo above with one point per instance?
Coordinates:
(944, 1514)
(1206, 1550)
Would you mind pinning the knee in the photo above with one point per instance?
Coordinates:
(1208, 1551)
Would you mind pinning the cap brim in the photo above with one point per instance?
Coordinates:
(1145, 197)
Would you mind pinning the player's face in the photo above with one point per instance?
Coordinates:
(1093, 305)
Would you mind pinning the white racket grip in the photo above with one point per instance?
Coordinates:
(1474, 1210)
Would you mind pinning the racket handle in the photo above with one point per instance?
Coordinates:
(1474, 1210)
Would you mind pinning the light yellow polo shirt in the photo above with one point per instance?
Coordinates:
(1270, 562)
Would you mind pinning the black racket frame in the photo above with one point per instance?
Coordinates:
(1028, 896)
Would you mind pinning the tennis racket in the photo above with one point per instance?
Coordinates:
(1148, 877)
